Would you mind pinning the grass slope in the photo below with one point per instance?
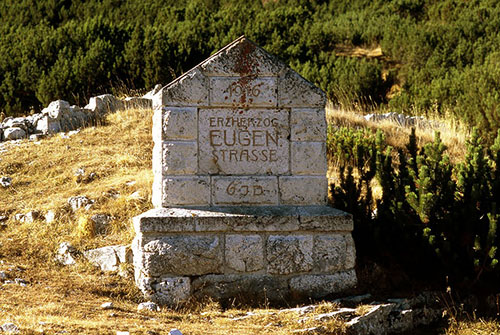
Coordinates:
(59, 298)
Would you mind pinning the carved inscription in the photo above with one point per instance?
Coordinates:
(244, 141)
(243, 91)
(245, 190)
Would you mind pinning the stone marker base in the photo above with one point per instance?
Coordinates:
(253, 254)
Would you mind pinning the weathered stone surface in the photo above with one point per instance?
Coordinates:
(103, 104)
(239, 164)
(295, 91)
(329, 253)
(243, 91)
(251, 288)
(109, 258)
(242, 58)
(179, 123)
(245, 191)
(189, 89)
(5, 181)
(9, 328)
(325, 218)
(101, 223)
(303, 190)
(180, 158)
(319, 286)
(189, 191)
(308, 158)
(148, 306)
(183, 255)
(244, 219)
(244, 253)
(249, 142)
(66, 254)
(289, 254)
(80, 201)
(350, 255)
(172, 291)
(308, 125)
(14, 133)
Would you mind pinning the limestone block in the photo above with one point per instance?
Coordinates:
(244, 253)
(309, 158)
(179, 123)
(48, 125)
(251, 288)
(109, 258)
(243, 91)
(319, 286)
(350, 256)
(289, 254)
(190, 191)
(329, 253)
(308, 124)
(172, 291)
(190, 89)
(242, 58)
(244, 142)
(303, 190)
(325, 218)
(295, 91)
(245, 190)
(180, 158)
(183, 255)
(14, 133)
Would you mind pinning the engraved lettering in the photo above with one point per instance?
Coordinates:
(213, 135)
(258, 190)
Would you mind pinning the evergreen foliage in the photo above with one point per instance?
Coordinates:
(433, 218)
(443, 54)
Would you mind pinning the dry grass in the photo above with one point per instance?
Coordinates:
(478, 327)
(60, 298)
(68, 299)
(453, 134)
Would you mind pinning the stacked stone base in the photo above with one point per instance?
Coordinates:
(252, 254)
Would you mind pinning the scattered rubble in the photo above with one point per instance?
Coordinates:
(80, 201)
(148, 306)
(66, 254)
(403, 120)
(5, 181)
(109, 258)
(60, 117)
(9, 328)
(107, 305)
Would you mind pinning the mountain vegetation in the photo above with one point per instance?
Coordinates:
(437, 57)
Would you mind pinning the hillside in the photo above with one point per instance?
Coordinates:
(422, 57)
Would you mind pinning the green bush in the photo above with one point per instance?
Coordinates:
(433, 218)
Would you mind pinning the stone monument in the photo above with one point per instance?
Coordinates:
(240, 187)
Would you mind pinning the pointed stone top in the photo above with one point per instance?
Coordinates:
(242, 57)
(242, 75)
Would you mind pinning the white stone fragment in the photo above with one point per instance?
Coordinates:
(148, 306)
(14, 133)
(107, 305)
